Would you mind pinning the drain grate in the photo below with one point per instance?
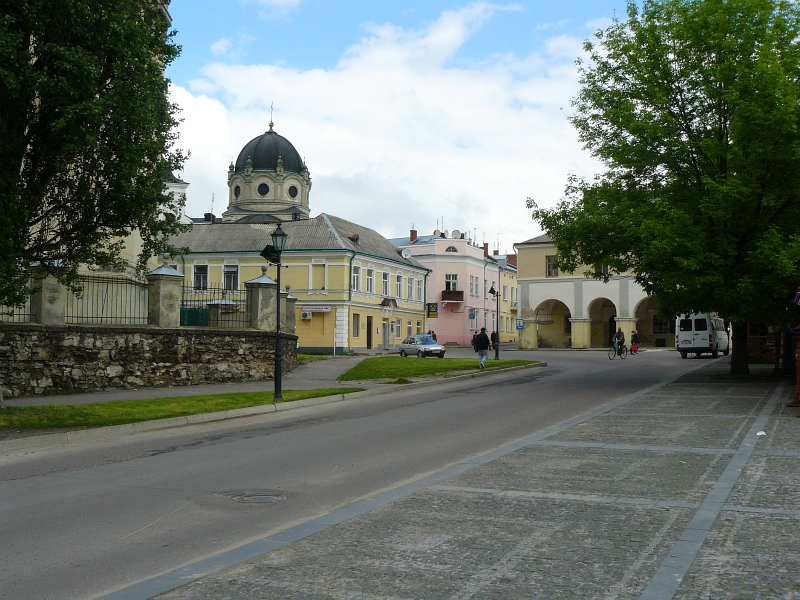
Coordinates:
(256, 496)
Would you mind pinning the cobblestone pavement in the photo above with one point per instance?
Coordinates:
(671, 494)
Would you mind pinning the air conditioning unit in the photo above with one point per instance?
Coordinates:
(306, 316)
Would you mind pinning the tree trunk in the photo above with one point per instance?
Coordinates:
(739, 364)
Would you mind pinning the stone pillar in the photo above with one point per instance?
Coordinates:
(164, 297)
(48, 302)
(581, 333)
(627, 325)
(290, 312)
(529, 336)
(262, 299)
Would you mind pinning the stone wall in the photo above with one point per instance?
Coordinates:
(36, 359)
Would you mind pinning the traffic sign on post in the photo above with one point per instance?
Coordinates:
(520, 324)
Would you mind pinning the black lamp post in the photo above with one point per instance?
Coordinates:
(273, 254)
(496, 294)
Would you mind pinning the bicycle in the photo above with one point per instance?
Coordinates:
(616, 350)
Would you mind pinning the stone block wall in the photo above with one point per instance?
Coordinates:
(41, 360)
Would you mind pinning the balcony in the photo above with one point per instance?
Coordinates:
(452, 296)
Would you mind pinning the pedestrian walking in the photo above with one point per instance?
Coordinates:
(433, 335)
(634, 342)
(482, 346)
(474, 337)
(496, 344)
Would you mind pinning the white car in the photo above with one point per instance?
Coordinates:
(701, 333)
(422, 345)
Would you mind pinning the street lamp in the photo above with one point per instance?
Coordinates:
(273, 254)
(496, 294)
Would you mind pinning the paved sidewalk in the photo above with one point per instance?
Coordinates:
(671, 493)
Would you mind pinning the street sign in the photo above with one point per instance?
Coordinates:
(433, 310)
(520, 324)
(472, 313)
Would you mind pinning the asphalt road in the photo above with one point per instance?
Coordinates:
(84, 520)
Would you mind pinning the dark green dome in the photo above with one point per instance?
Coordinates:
(264, 151)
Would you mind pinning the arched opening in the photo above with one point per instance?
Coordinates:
(602, 314)
(553, 325)
(654, 330)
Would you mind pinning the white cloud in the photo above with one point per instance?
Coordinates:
(393, 136)
(221, 46)
(277, 9)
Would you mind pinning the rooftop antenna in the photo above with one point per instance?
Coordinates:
(212, 203)
(270, 116)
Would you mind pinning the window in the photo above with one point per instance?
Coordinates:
(399, 286)
(451, 249)
(552, 270)
(356, 285)
(385, 284)
(513, 295)
(230, 277)
(701, 324)
(398, 330)
(485, 292)
(410, 288)
(356, 324)
(419, 290)
(419, 326)
(318, 277)
(505, 292)
(473, 320)
(409, 329)
(370, 281)
(485, 319)
(665, 325)
(201, 277)
(686, 324)
(451, 282)
(471, 285)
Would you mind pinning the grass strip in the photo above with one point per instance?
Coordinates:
(309, 358)
(395, 367)
(133, 411)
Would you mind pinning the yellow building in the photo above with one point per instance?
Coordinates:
(570, 310)
(354, 290)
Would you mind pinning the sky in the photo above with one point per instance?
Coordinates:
(425, 114)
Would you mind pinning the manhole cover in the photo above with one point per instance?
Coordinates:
(257, 498)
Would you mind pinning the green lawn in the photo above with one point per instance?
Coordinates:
(394, 367)
(307, 358)
(133, 411)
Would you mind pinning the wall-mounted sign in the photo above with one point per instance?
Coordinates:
(473, 313)
(520, 324)
(433, 310)
(316, 309)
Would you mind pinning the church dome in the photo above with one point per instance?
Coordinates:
(264, 151)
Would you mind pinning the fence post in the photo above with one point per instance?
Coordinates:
(164, 297)
(291, 315)
(48, 302)
(262, 300)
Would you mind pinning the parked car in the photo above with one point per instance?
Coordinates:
(421, 345)
(698, 333)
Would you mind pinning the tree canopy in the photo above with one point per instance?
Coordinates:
(86, 135)
(694, 108)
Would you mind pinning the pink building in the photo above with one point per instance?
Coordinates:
(462, 274)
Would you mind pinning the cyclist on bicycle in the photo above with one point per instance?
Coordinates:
(619, 340)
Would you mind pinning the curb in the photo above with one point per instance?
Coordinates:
(99, 433)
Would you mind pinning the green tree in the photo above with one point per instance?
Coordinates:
(694, 108)
(86, 135)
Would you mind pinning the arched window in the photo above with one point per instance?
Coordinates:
(451, 249)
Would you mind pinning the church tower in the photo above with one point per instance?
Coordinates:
(268, 183)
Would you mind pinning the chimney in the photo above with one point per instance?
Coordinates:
(486, 249)
(412, 236)
(496, 252)
(512, 260)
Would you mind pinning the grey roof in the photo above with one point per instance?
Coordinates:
(539, 239)
(324, 232)
(421, 240)
(264, 151)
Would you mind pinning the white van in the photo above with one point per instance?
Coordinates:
(698, 333)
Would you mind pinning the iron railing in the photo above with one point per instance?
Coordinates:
(16, 314)
(214, 307)
(108, 300)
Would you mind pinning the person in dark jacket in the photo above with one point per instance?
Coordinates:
(496, 344)
(482, 347)
(635, 342)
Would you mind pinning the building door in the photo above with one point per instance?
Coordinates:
(385, 334)
(369, 333)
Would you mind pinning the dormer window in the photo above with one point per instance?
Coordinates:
(451, 249)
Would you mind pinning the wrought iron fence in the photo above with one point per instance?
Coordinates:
(16, 314)
(108, 300)
(214, 307)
